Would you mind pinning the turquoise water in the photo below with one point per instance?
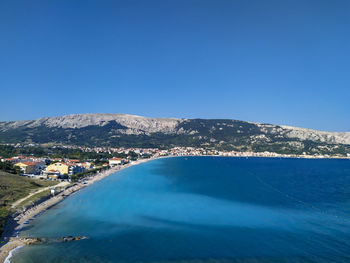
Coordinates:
(204, 209)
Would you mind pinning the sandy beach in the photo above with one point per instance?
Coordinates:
(10, 239)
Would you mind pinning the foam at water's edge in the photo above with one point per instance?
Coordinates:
(7, 260)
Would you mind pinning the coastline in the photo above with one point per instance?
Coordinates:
(11, 241)
(17, 222)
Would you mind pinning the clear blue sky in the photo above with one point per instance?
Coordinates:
(281, 62)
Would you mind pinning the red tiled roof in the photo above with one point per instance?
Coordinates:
(29, 163)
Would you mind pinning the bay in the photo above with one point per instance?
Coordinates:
(204, 209)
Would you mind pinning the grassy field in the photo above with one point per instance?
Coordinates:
(14, 187)
(34, 198)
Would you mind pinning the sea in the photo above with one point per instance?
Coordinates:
(203, 209)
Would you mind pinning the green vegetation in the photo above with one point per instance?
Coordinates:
(34, 198)
(9, 168)
(216, 134)
(78, 176)
(14, 187)
(8, 151)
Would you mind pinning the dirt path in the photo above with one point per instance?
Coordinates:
(15, 204)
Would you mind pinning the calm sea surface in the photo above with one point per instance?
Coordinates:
(204, 209)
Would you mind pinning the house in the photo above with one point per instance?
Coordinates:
(40, 166)
(87, 165)
(74, 169)
(14, 160)
(56, 170)
(115, 161)
(72, 161)
(27, 167)
(52, 174)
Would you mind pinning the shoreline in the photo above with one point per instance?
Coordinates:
(19, 220)
(11, 241)
(7, 260)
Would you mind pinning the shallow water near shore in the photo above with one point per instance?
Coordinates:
(204, 209)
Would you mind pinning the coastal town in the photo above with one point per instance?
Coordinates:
(57, 168)
(68, 169)
(174, 131)
(64, 175)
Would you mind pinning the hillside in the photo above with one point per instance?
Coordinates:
(136, 131)
(14, 187)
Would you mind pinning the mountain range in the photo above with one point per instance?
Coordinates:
(123, 130)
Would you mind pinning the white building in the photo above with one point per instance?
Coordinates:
(115, 161)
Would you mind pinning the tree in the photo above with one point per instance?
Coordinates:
(9, 168)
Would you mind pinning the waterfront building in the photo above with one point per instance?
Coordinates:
(57, 169)
(115, 161)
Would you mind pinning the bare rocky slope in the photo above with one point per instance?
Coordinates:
(131, 130)
(97, 119)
